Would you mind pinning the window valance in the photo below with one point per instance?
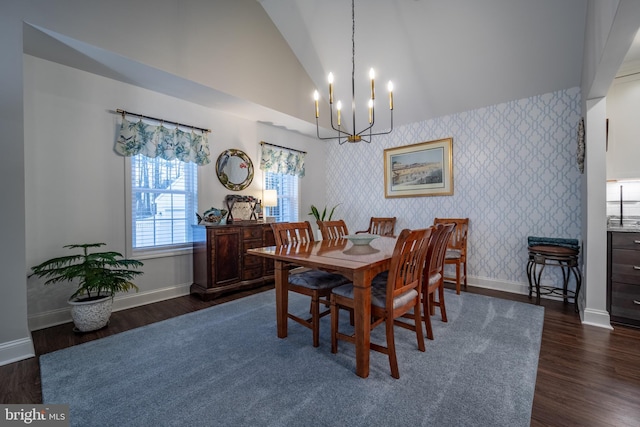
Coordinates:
(159, 141)
(282, 160)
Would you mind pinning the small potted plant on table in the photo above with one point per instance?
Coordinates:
(99, 276)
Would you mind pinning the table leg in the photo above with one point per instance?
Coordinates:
(362, 321)
(282, 297)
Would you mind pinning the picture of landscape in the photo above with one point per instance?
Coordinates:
(422, 169)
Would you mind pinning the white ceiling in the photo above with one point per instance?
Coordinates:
(444, 56)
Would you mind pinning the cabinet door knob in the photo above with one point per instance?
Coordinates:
(635, 267)
(636, 302)
(636, 241)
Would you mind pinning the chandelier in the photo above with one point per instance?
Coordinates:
(367, 132)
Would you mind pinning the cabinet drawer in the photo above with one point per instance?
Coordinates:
(252, 261)
(625, 300)
(252, 273)
(625, 241)
(625, 266)
(252, 233)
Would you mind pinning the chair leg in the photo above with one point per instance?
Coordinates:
(315, 320)
(417, 319)
(391, 348)
(465, 274)
(427, 316)
(457, 278)
(443, 309)
(335, 312)
(432, 305)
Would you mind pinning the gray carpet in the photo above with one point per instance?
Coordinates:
(224, 366)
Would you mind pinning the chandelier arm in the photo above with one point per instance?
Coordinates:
(378, 133)
(373, 120)
(324, 138)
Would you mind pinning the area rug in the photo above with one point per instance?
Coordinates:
(225, 366)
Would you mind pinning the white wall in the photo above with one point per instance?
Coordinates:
(15, 340)
(75, 181)
(197, 40)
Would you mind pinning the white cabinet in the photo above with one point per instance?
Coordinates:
(623, 105)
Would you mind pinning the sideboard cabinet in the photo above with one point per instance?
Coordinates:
(220, 260)
(623, 284)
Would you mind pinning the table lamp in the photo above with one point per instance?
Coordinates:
(270, 199)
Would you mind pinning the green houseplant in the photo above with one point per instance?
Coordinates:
(98, 275)
(316, 213)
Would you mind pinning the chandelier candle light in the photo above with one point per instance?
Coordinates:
(344, 136)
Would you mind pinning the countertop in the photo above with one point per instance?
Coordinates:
(625, 228)
(630, 224)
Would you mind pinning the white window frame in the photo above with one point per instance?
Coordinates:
(282, 197)
(155, 251)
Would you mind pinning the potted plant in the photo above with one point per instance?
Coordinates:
(99, 276)
(316, 214)
(318, 217)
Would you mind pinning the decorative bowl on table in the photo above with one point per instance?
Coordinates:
(361, 239)
(361, 250)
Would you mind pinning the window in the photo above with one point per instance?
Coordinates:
(287, 188)
(164, 199)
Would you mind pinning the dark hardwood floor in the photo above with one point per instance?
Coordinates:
(587, 376)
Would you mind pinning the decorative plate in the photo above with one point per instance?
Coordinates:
(361, 239)
(234, 169)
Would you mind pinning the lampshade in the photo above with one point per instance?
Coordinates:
(270, 198)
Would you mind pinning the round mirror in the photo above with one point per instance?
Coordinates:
(234, 169)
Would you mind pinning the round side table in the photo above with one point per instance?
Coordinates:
(566, 258)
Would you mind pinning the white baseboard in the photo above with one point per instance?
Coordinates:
(597, 318)
(591, 317)
(499, 285)
(121, 302)
(14, 351)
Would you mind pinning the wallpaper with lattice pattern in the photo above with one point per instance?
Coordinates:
(514, 174)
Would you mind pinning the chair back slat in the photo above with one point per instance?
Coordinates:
(333, 229)
(434, 262)
(407, 263)
(458, 239)
(383, 226)
(287, 233)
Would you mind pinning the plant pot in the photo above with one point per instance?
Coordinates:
(91, 315)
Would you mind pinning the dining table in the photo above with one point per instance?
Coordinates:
(357, 262)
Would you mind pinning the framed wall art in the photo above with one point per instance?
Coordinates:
(423, 169)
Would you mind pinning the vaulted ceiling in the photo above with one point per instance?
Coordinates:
(443, 56)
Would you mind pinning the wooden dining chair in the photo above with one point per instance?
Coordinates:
(457, 250)
(381, 226)
(433, 275)
(316, 284)
(390, 298)
(332, 229)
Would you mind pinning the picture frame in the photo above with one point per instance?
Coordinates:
(417, 170)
